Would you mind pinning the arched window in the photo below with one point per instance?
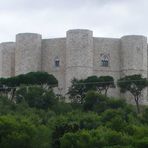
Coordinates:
(57, 62)
(104, 60)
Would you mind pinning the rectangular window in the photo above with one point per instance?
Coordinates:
(104, 60)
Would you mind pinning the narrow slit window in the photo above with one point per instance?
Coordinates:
(57, 62)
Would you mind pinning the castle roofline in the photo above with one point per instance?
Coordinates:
(134, 35)
(79, 29)
(54, 38)
(106, 38)
(28, 33)
(7, 42)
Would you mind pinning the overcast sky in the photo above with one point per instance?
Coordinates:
(52, 18)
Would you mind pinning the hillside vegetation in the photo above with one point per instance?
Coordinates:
(32, 116)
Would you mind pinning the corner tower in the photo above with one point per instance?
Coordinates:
(79, 55)
(133, 55)
(134, 59)
(7, 59)
(27, 53)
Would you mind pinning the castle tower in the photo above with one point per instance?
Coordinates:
(79, 55)
(27, 53)
(134, 59)
(7, 59)
(133, 55)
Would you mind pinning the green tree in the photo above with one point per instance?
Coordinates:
(101, 137)
(60, 130)
(92, 98)
(135, 84)
(15, 132)
(78, 89)
(36, 96)
(144, 116)
(106, 82)
(100, 84)
(94, 101)
(91, 83)
(9, 85)
(31, 78)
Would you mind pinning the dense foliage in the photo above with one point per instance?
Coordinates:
(79, 88)
(135, 84)
(31, 78)
(36, 118)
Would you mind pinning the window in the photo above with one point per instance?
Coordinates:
(104, 60)
(57, 62)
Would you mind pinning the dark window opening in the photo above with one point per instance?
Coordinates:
(104, 60)
(57, 62)
(104, 63)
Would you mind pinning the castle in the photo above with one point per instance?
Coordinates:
(77, 55)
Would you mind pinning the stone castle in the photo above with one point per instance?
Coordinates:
(77, 55)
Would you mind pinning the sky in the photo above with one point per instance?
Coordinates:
(52, 18)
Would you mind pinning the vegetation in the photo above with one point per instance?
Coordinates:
(135, 84)
(36, 118)
(10, 85)
(79, 88)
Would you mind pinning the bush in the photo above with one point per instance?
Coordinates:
(36, 96)
(6, 106)
(60, 130)
(62, 107)
(116, 103)
(144, 117)
(102, 137)
(142, 143)
(99, 103)
(94, 99)
(15, 132)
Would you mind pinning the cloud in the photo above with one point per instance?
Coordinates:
(52, 18)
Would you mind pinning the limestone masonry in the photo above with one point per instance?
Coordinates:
(78, 55)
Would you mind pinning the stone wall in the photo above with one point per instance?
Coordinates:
(53, 49)
(134, 59)
(134, 55)
(27, 53)
(111, 48)
(79, 55)
(7, 59)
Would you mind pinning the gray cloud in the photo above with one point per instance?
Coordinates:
(52, 18)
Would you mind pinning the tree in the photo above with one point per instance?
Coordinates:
(106, 82)
(91, 83)
(79, 88)
(60, 130)
(100, 84)
(31, 78)
(36, 96)
(91, 100)
(135, 84)
(9, 85)
(16, 132)
(77, 91)
(101, 137)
